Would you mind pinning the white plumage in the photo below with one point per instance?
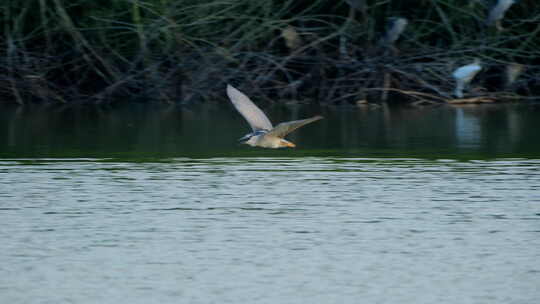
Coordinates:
(497, 12)
(397, 27)
(513, 70)
(254, 116)
(463, 75)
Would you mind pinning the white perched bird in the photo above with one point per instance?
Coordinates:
(397, 26)
(513, 70)
(497, 13)
(292, 38)
(463, 75)
(264, 134)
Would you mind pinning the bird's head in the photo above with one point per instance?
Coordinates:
(249, 139)
(245, 139)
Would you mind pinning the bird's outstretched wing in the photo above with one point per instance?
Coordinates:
(254, 116)
(285, 128)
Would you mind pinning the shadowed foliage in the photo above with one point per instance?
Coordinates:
(311, 51)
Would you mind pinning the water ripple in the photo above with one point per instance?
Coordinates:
(270, 230)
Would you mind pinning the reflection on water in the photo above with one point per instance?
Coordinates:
(270, 230)
(213, 130)
(468, 132)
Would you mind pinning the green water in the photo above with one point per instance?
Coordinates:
(159, 131)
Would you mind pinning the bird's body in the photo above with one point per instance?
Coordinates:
(264, 135)
(513, 70)
(463, 75)
(498, 11)
(397, 26)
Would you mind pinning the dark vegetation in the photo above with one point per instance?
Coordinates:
(184, 51)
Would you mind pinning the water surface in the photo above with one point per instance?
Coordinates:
(149, 131)
(154, 204)
(270, 230)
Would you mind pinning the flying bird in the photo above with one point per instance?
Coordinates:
(463, 75)
(264, 134)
